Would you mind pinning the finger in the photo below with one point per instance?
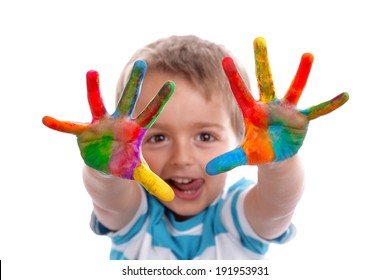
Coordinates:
(94, 97)
(298, 84)
(131, 91)
(67, 127)
(226, 162)
(149, 115)
(263, 71)
(241, 92)
(326, 107)
(152, 183)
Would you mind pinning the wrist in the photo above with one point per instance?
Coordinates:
(98, 181)
(96, 173)
(93, 175)
(275, 165)
(282, 180)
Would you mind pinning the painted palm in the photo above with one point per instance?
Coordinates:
(275, 128)
(111, 143)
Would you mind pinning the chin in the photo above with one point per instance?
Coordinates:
(183, 213)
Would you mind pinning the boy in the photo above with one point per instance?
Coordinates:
(207, 218)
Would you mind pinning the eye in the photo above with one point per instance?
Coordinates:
(205, 137)
(157, 138)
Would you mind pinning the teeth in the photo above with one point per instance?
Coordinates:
(189, 191)
(181, 180)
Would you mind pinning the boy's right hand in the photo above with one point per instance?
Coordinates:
(111, 143)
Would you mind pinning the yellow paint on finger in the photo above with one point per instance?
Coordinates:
(152, 183)
(263, 70)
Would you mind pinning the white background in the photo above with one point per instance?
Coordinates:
(47, 47)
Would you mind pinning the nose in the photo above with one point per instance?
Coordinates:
(182, 154)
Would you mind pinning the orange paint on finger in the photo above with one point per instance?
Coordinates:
(67, 127)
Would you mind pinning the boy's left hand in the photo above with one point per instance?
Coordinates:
(275, 128)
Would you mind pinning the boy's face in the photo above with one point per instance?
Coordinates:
(188, 133)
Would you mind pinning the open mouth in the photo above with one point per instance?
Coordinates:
(186, 188)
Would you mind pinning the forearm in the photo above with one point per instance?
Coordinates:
(115, 200)
(273, 201)
(280, 186)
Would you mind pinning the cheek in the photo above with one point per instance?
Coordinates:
(216, 180)
(229, 143)
(216, 184)
(154, 160)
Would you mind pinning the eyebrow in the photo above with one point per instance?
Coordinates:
(208, 125)
(199, 125)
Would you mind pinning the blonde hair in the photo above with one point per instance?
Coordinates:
(198, 61)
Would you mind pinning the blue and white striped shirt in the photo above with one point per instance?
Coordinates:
(219, 232)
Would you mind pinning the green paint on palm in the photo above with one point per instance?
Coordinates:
(97, 153)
